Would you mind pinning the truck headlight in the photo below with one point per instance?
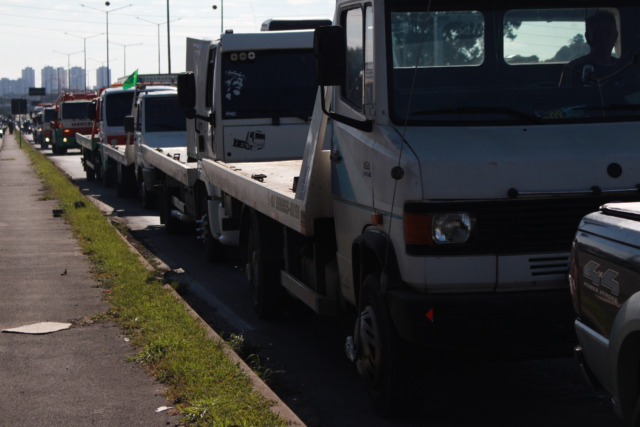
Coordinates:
(452, 227)
(46, 139)
(64, 139)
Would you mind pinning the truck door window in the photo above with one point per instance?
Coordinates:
(368, 56)
(210, 68)
(352, 89)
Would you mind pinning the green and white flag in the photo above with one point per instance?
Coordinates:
(131, 81)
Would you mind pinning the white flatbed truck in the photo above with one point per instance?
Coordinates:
(459, 169)
(254, 103)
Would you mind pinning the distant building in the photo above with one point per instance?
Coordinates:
(102, 78)
(61, 74)
(29, 77)
(49, 79)
(76, 79)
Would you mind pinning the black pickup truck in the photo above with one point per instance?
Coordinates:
(605, 284)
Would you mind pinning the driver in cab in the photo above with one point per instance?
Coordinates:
(599, 65)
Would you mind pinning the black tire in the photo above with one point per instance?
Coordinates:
(149, 198)
(388, 364)
(91, 174)
(214, 251)
(54, 148)
(98, 164)
(635, 419)
(121, 182)
(110, 175)
(171, 225)
(62, 151)
(263, 271)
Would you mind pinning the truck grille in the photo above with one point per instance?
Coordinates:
(517, 226)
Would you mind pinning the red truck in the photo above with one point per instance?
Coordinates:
(71, 119)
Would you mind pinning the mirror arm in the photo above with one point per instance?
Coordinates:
(365, 126)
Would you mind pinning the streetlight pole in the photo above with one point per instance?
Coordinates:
(106, 12)
(68, 66)
(158, 24)
(125, 46)
(168, 39)
(84, 39)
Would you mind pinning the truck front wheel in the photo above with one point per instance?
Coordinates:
(385, 360)
(267, 295)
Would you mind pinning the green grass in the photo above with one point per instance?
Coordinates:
(205, 386)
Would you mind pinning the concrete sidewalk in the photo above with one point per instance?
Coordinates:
(75, 377)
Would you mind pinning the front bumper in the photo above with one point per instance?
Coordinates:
(521, 324)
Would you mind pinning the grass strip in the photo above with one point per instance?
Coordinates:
(203, 383)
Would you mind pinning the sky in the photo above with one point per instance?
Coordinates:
(33, 33)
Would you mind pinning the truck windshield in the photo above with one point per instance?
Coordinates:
(49, 115)
(268, 84)
(74, 110)
(164, 114)
(496, 64)
(118, 105)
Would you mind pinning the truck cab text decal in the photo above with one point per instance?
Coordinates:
(601, 280)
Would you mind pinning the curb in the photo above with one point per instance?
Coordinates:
(278, 407)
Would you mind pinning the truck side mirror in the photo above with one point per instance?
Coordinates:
(129, 125)
(330, 50)
(187, 91)
(91, 111)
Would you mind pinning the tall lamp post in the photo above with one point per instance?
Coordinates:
(125, 46)
(106, 12)
(68, 65)
(84, 39)
(158, 24)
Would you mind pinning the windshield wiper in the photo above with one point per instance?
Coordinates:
(610, 107)
(482, 110)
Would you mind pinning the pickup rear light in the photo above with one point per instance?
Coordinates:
(417, 229)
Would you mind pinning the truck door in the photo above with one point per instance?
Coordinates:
(352, 169)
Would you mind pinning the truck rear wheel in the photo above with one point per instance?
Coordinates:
(171, 225)
(387, 363)
(263, 272)
(148, 197)
(91, 174)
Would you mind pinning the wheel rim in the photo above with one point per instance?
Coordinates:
(371, 345)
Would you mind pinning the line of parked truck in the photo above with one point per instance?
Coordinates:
(430, 189)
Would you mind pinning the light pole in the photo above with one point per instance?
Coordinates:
(221, 14)
(106, 12)
(84, 39)
(158, 24)
(68, 66)
(168, 39)
(125, 46)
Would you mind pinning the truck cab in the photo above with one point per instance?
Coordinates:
(44, 132)
(72, 118)
(461, 164)
(159, 123)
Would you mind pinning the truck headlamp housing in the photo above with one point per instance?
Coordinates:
(46, 139)
(452, 227)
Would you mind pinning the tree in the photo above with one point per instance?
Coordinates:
(576, 48)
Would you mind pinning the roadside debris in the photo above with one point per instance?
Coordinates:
(39, 328)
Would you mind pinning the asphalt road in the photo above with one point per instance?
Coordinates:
(314, 377)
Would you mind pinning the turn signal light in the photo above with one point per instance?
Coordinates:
(417, 229)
